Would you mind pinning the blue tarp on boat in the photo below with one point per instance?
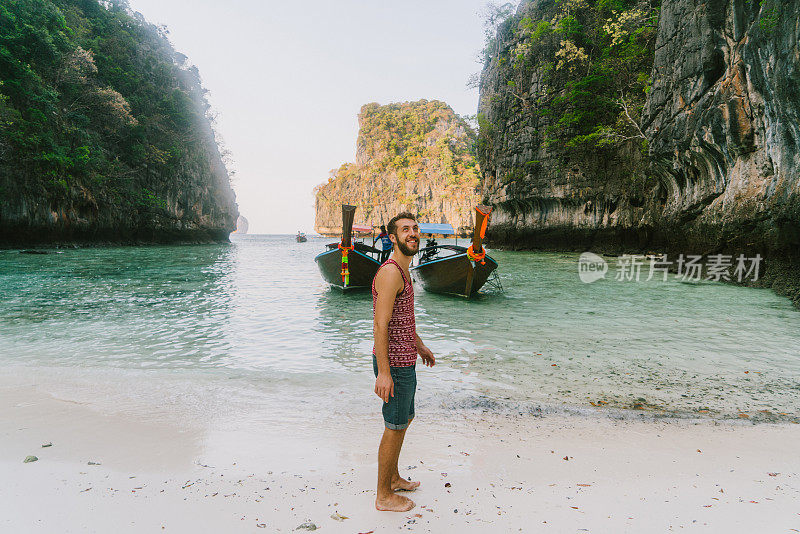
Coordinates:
(444, 229)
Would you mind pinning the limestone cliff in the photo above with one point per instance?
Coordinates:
(633, 126)
(104, 133)
(413, 156)
(722, 122)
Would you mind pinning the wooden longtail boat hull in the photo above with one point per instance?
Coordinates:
(462, 273)
(454, 275)
(362, 269)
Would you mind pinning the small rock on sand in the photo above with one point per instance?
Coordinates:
(308, 525)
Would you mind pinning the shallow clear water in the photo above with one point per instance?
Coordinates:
(257, 314)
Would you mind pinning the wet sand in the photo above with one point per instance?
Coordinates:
(480, 472)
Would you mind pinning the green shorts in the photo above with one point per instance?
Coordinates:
(399, 411)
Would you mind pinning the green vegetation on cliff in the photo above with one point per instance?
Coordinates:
(400, 138)
(590, 61)
(412, 155)
(98, 112)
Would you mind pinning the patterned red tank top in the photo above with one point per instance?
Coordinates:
(402, 326)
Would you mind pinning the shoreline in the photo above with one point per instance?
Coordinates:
(134, 389)
(480, 472)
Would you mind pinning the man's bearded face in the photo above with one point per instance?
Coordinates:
(407, 237)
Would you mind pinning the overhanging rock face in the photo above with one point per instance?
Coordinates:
(722, 120)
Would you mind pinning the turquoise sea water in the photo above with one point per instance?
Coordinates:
(255, 319)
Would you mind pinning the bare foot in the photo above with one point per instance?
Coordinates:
(394, 503)
(401, 484)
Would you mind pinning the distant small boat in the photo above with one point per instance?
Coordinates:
(452, 269)
(348, 264)
(301, 237)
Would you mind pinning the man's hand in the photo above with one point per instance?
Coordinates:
(384, 387)
(426, 355)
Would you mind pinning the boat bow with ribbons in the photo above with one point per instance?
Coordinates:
(349, 264)
(452, 269)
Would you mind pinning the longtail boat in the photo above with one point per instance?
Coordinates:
(452, 269)
(347, 264)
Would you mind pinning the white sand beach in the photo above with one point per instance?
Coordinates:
(480, 472)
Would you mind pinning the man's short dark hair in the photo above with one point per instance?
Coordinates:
(393, 221)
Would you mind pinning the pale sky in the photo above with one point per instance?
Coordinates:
(287, 79)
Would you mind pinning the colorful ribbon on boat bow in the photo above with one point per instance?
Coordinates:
(478, 257)
(345, 262)
(485, 222)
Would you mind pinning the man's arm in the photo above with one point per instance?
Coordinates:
(387, 284)
(424, 352)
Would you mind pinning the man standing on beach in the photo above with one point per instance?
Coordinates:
(394, 359)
